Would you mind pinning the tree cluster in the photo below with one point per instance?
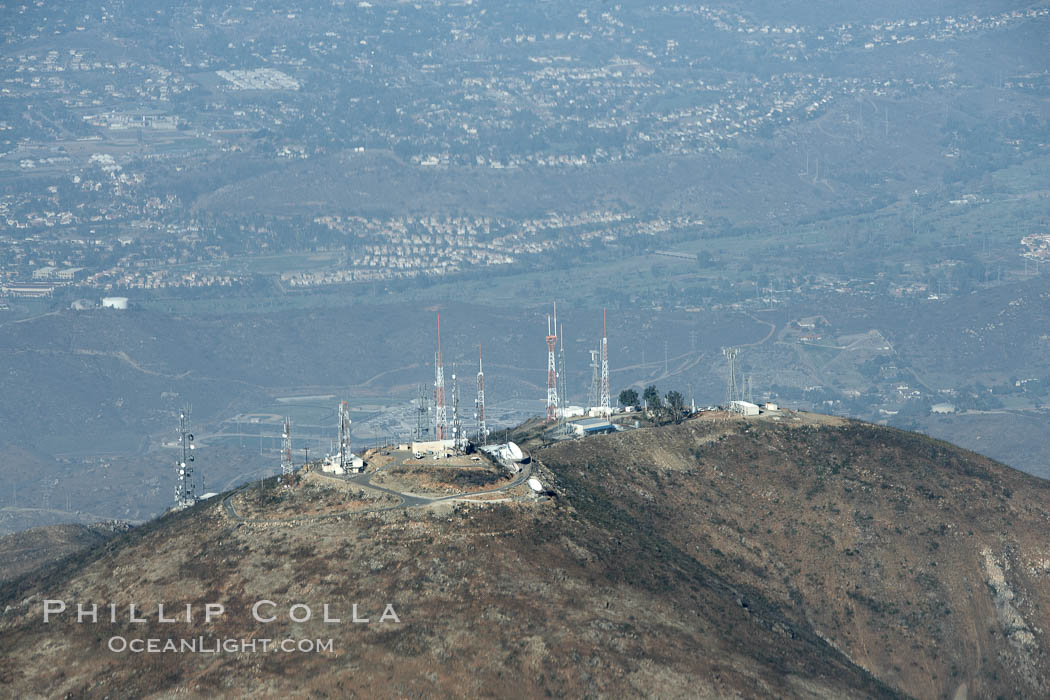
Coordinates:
(669, 407)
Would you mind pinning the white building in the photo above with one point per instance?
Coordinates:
(744, 408)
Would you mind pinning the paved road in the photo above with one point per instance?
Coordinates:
(406, 500)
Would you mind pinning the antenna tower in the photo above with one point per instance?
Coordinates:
(596, 380)
(185, 495)
(286, 448)
(731, 387)
(552, 371)
(562, 393)
(457, 424)
(606, 398)
(483, 430)
(422, 415)
(440, 417)
(344, 436)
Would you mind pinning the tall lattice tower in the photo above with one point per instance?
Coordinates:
(731, 388)
(483, 431)
(440, 417)
(552, 371)
(185, 488)
(345, 458)
(286, 448)
(457, 421)
(595, 397)
(606, 397)
(423, 414)
(563, 394)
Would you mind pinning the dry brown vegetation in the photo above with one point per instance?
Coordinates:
(925, 564)
(24, 551)
(309, 496)
(708, 559)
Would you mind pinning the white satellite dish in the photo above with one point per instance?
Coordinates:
(514, 452)
(535, 485)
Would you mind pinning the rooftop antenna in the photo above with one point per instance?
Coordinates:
(286, 449)
(552, 371)
(482, 428)
(605, 400)
(440, 417)
(185, 494)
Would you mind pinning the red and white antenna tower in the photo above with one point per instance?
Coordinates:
(552, 372)
(605, 401)
(286, 448)
(440, 417)
(482, 428)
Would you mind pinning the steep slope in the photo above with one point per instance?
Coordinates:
(923, 563)
(525, 598)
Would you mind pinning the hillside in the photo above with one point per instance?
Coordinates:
(802, 558)
(923, 563)
(24, 551)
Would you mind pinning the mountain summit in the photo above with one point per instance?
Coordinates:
(801, 557)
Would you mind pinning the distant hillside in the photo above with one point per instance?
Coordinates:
(810, 557)
(27, 550)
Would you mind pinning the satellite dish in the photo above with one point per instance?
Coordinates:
(535, 485)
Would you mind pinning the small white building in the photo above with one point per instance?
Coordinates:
(114, 303)
(330, 465)
(770, 406)
(942, 408)
(436, 446)
(744, 408)
(592, 426)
